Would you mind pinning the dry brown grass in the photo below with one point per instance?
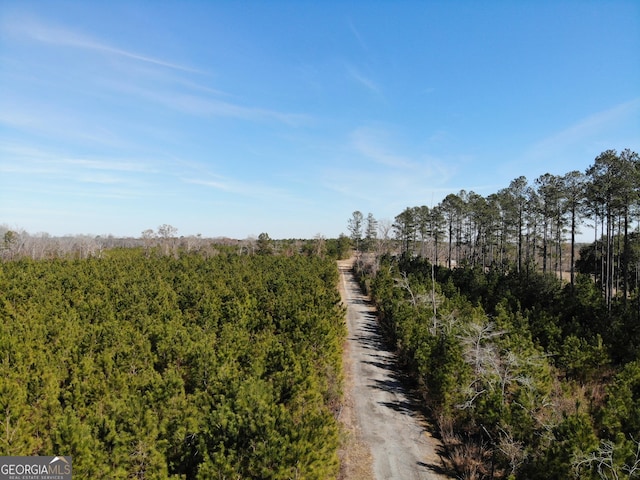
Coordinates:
(355, 458)
(467, 458)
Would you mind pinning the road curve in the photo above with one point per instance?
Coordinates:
(386, 413)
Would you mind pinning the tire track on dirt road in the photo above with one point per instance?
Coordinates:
(385, 415)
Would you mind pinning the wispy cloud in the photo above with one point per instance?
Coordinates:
(386, 193)
(357, 76)
(58, 123)
(170, 87)
(584, 129)
(112, 165)
(205, 105)
(220, 184)
(368, 142)
(395, 176)
(21, 160)
(236, 187)
(212, 107)
(356, 33)
(379, 146)
(55, 35)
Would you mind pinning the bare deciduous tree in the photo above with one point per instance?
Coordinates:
(604, 463)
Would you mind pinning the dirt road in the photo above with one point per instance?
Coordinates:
(386, 427)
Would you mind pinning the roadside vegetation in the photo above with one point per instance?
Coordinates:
(527, 355)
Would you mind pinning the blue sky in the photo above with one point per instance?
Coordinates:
(236, 118)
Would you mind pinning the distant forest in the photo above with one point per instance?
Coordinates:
(526, 351)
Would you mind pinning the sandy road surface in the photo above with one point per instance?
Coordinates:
(384, 413)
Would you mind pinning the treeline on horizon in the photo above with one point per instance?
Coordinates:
(527, 374)
(17, 243)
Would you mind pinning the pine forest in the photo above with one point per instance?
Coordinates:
(169, 357)
(144, 365)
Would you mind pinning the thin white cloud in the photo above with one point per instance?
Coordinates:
(385, 193)
(367, 142)
(390, 181)
(20, 158)
(361, 79)
(206, 106)
(218, 185)
(53, 35)
(158, 87)
(100, 178)
(20, 161)
(58, 124)
(112, 165)
(584, 129)
(356, 33)
(402, 165)
(240, 188)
